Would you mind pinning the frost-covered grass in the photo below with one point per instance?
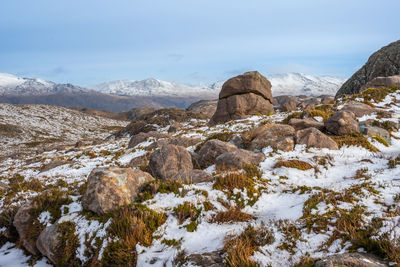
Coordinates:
(294, 207)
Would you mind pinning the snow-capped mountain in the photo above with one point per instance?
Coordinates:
(282, 84)
(13, 85)
(303, 84)
(155, 87)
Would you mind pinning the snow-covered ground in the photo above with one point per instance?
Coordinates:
(283, 201)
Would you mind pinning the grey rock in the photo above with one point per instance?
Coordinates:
(312, 137)
(342, 123)
(211, 150)
(351, 259)
(238, 159)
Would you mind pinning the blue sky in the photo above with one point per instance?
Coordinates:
(90, 41)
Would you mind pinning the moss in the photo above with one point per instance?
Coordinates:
(387, 125)
(158, 186)
(192, 226)
(380, 140)
(172, 242)
(252, 170)
(294, 115)
(326, 114)
(354, 139)
(68, 242)
(297, 164)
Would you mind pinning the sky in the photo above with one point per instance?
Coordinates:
(86, 42)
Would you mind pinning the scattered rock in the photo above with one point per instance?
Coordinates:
(375, 131)
(167, 161)
(327, 99)
(242, 96)
(204, 107)
(312, 137)
(174, 127)
(23, 221)
(277, 136)
(137, 113)
(141, 137)
(110, 188)
(383, 63)
(342, 123)
(185, 141)
(209, 259)
(300, 124)
(350, 259)
(238, 159)
(282, 99)
(237, 140)
(289, 106)
(48, 242)
(139, 161)
(358, 109)
(134, 128)
(52, 165)
(211, 150)
(193, 176)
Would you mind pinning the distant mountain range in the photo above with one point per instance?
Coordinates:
(123, 95)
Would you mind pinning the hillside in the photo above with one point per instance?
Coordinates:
(293, 205)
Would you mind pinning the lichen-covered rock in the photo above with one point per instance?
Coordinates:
(193, 176)
(23, 221)
(300, 124)
(167, 161)
(238, 159)
(110, 188)
(372, 131)
(358, 109)
(277, 136)
(312, 137)
(242, 96)
(383, 63)
(342, 123)
(350, 259)
(211, 150)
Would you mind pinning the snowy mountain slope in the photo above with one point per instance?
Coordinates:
(282, 84)
(31, 125)
(303, 84)
(13, 85)
(154, 87)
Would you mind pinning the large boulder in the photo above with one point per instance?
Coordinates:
(383, 63)
(350, 259)
(289, 106)
(312, 137)
(358, 109)
(168, 160)
(204, 107)
(342, 123)
(277, 136)
(110, 188)
(23, 222)
(300, 124)
(249, 82)
(242, 96)
(211, 150)
(372, 131)
(238, 159)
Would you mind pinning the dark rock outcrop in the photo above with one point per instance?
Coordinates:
(383, 63)
(204, 107)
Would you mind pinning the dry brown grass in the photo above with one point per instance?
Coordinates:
(232, 215)
(240, 249)
(297, 164)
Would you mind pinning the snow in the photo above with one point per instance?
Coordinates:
(15, 257)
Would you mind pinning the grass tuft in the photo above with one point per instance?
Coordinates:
(297, 164)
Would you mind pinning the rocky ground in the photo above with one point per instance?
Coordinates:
(316, 179)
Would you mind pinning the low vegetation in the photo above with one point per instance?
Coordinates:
(297, 164)
(354, 139)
